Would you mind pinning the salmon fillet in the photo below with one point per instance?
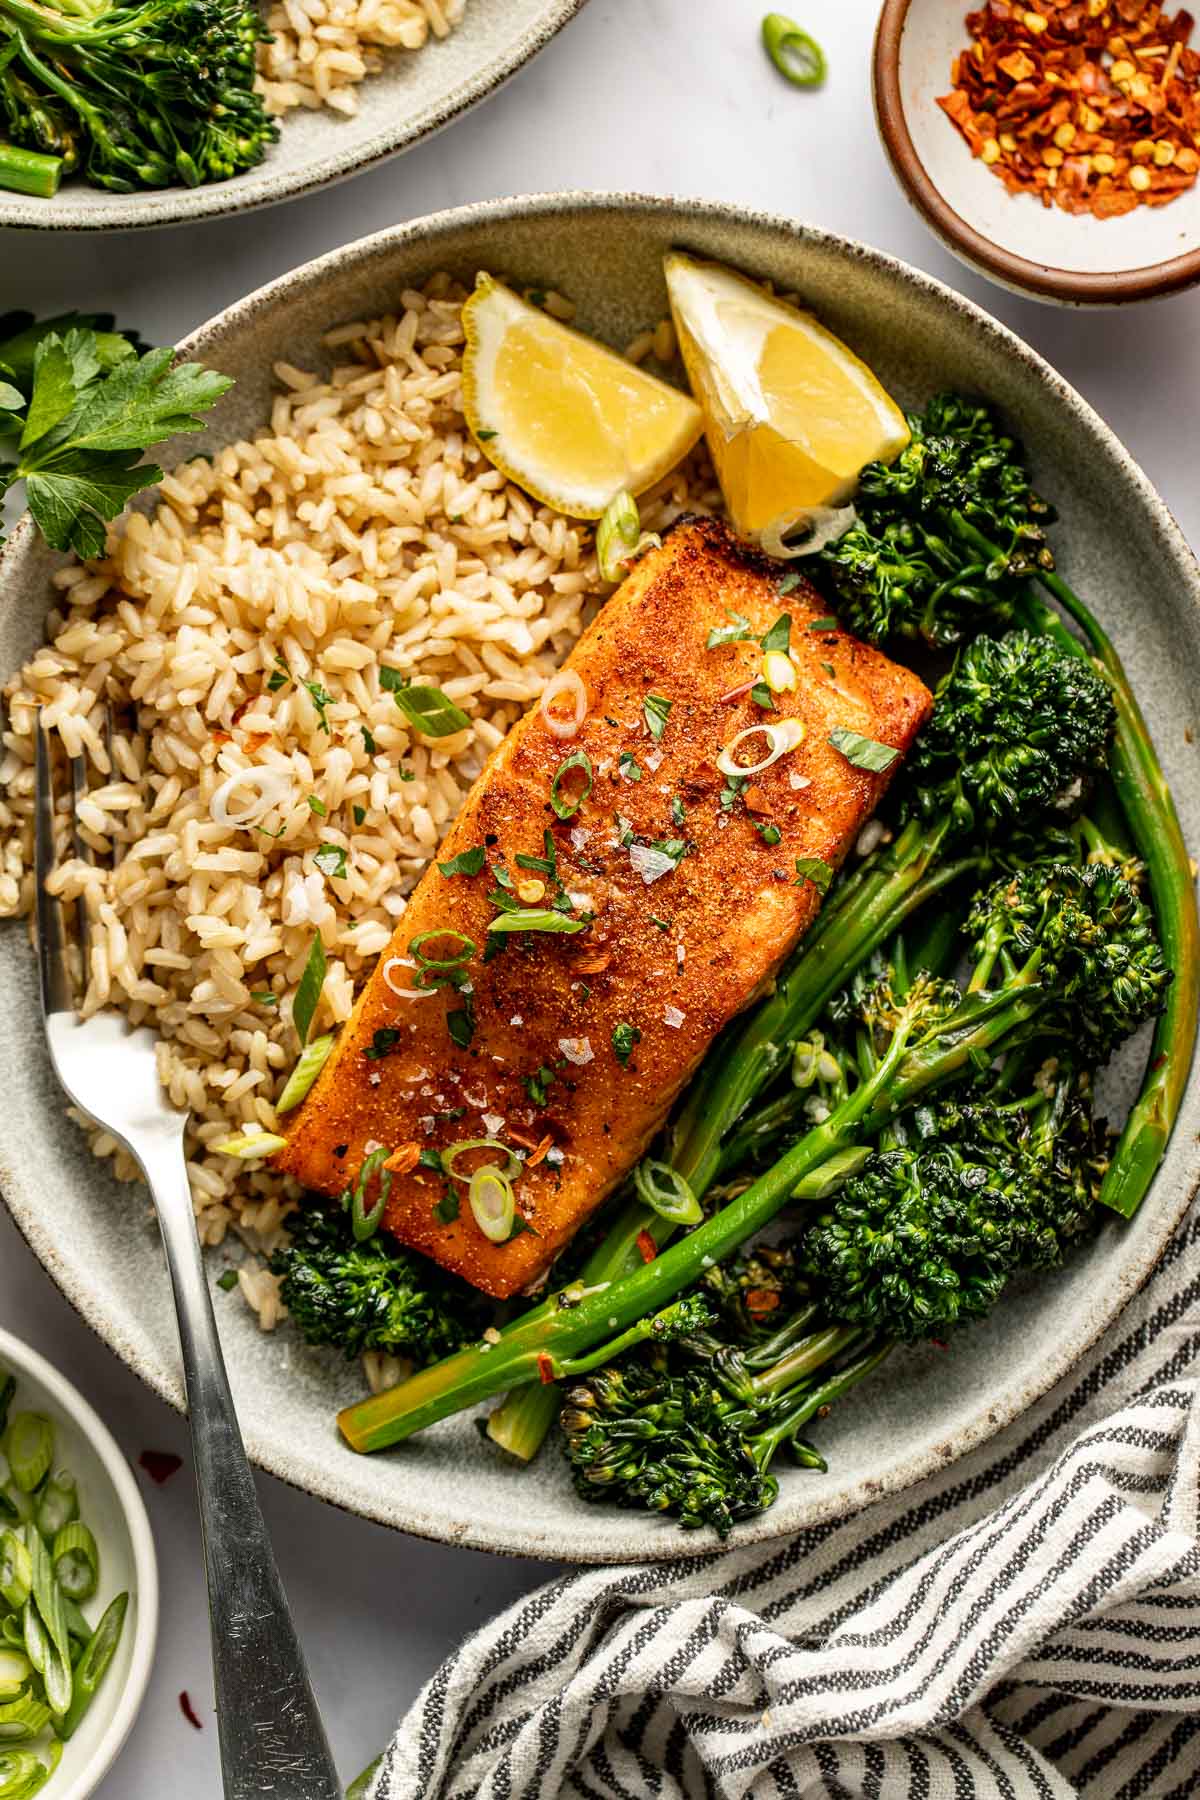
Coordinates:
(672, 958)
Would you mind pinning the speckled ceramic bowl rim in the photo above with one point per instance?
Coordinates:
(160, 208)
(21, 1359)
(992, 1414)
(1069, 286)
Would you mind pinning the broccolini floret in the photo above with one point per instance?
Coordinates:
(375, 1295)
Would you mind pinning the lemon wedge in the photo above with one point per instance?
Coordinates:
(791, 415)
(565, 418)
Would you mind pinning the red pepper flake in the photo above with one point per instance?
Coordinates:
(160, 1465)
(545, 1369)
(761, 1300)
(188, 1710)
(1093, 107)
(539, 1154)
(647, 1248)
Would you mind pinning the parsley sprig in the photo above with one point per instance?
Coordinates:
(83, 406)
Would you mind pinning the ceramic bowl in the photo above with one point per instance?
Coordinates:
(414, 95)
(1012, 239)
(1116, 540)
(112, 1506)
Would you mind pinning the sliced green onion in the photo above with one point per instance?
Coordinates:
(15, 1670)
(536, 918)
(22, 1774)
(566, 808)
(797, 56)
(493, 1203)
(312, 1060)
(89, 1670)
(30, 1449)
(16, 1570)
(620, 538)
(365, 1221)
(436, 935)
(23, 1718)
(308, 993)
(48, 1598)
(512, 1164)
(429, 711)
(58, 1503)
(247, 1146)
(664, 1189)
(76, 1561)
(11, 1632)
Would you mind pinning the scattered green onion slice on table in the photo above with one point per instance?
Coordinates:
(311, 1061)
(798, 56)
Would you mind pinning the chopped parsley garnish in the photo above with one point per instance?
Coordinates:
(279, 677)
(761, 695)
(265, 998)
(485, 435)
(731, 793)
(360, 814)
(814, 869)
(655, 709)
(228, 1281)
(629, 766)
(445, 1210)
(317, 805)
(624, 1038)
(430, 1159)
(540, 865)
(675, 848)
(663, 924)
(382, 1043)
(538, 1086)
(406, 774)
(368, 740)
(770, 834)
(678, 814)
(789, 582)
(829, 668)
(320, 700)
(738, 631)
(331, 860)
(566, 805)
(863, 752)
(467, 862)
(827, 624)
(461, 1024)
(779, 637)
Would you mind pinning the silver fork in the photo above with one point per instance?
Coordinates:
(272, 1740)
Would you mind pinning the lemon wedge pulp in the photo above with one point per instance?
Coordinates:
(565, 418)
(791, 415)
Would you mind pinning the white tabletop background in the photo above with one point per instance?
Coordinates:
(662, 96)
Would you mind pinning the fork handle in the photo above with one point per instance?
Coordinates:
(272, 1740)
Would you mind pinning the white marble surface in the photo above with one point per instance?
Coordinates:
(662, 96)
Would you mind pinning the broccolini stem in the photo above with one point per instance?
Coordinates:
(817, 1400)
(29, 172)
(904, 878)
(564, 1330)
(1150, 811)
(808, 1355)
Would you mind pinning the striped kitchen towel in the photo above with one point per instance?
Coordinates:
(1027, 1623)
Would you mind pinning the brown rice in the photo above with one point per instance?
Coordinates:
(363, 527)
(321, 49)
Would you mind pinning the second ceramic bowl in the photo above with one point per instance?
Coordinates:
(1013, 239)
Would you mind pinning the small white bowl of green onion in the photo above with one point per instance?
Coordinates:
(78, 1586)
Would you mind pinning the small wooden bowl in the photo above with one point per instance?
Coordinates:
(1011, 238)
